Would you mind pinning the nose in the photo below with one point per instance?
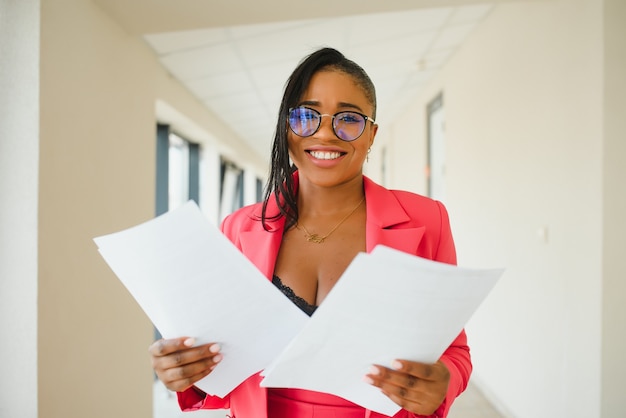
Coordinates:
(326, 129)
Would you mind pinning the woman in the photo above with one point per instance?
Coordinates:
(312, 223)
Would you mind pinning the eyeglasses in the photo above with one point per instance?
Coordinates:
(348, 126)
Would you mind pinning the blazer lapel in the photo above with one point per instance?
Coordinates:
(261, 246)
(387, 222)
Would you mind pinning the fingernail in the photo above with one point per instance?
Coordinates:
(368, 380)
(189, 342)
(215, 348)
(374, 370)
(396, 365)
(217, 358)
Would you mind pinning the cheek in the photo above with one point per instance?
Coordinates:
(290, 143)
(362, 150)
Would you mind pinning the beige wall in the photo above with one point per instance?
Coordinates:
(99, 93)
(96, 175)
(532, 188)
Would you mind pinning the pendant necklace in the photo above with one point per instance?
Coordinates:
(317, 239)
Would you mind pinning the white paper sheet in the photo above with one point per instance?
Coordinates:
(191, 281)
(387, 305)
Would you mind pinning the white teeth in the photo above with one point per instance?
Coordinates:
(323, 155)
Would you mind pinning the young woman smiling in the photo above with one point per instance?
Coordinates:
(319, 211)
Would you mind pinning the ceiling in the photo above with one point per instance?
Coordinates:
(239, 71)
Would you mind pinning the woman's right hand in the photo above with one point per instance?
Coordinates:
(178, 364)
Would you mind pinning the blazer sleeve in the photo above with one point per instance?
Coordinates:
(193, 400)
(457, 356)
(445, 252)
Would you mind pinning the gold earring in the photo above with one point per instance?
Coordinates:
(367, 157)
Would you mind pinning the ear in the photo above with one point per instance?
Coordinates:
(373, 132)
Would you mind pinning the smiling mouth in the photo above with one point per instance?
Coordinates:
(326, 155)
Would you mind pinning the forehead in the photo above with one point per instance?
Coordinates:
(329, 87)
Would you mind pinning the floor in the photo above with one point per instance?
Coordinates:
(471, 404)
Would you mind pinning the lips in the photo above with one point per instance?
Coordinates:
(326, 155)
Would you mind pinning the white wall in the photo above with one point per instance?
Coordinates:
(19, 155)
(524, 129)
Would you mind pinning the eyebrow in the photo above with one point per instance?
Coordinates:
(340, 104)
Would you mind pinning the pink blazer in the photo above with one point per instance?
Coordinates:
(402, 220)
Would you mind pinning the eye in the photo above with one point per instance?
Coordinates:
(308, 114)
(349, 118)
(303, 114)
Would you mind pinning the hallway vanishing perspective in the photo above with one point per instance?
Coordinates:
(533, 95)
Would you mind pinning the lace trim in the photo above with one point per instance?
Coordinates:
(305, 306)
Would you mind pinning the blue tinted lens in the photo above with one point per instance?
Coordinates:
(304, 121)
(349, 125)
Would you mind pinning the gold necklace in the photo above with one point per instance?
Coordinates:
(318, 239)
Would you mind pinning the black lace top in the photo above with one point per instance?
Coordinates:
(305, 306)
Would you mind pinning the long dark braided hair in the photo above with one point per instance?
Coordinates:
(280, 183)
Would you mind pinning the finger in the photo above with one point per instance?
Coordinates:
(416, 399)
(425, 371)
(410, 373)
(393, 381)
(183, 383)
(164, 347)
(186, 374)
(402, 385)
(411, 405)
(187, 371)
(188, 356)
(410, 399)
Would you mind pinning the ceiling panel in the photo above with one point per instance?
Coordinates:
(193, 64)
(239, 72)
(219, 85)
(164, 43)
(469, 13)
(452, 36)
(272, 75)
(367, 29)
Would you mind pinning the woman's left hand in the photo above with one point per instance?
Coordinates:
(417, 387)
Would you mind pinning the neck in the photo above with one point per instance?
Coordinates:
(315, 200)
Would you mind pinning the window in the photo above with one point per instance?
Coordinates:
(178, 177)
(259, 189)
(231, 188)
(178, 173)
(436, 168)
(178, 170)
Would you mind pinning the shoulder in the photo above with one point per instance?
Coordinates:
(424, 211)
(244, 219)
(416, 206)
(400, 209)
(412, 200)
